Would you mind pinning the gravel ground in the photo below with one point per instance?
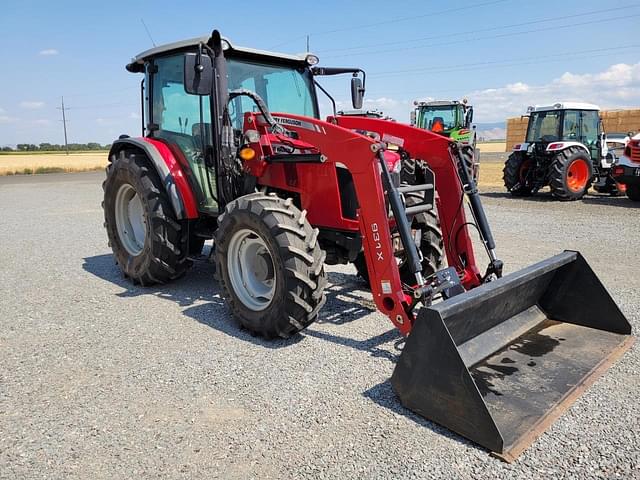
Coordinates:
(100, 379)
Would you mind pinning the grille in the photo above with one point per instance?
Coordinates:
(635, 151)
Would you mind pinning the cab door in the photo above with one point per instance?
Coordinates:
(590, 133)
(183, 122)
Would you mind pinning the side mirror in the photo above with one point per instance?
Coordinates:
(469, 117)
(357, 92)
(412, 116)
(198, 74)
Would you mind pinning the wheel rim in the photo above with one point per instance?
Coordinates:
(130, 220)
(251, 270)
(577, 175)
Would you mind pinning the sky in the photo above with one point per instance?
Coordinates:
(502, 55)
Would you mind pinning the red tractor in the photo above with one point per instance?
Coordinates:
(282, 194)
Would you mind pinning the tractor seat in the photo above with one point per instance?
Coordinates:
(196, 132)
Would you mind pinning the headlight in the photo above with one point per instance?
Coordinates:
(312, 59)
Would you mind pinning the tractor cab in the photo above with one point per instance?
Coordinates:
(568, 122)
(452, 119)
(178, 112)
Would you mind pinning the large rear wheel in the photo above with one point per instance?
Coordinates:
(571, 174)
(516, 173)
(149, 243)
(427, 226)
(270, 265)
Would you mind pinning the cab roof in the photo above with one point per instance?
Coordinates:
(564, 106)
(438, 103)
(137, 62)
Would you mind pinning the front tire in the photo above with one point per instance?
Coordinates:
(515, 174)
(149, 243)
(270, 265)
(571, 174)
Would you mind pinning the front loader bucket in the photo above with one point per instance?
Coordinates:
(498, 364)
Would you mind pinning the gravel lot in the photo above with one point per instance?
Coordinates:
(100, 379)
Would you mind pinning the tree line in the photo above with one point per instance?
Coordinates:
(54, 147)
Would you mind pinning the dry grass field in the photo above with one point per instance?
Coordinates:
(492, 147)
(490, 174)
(51, 162)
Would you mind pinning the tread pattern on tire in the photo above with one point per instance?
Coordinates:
(557, 174)
(431, 246)
(164, 256)
(511, 175)
(284, 227)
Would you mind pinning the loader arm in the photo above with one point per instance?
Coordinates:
(434, 149)
(358, 154)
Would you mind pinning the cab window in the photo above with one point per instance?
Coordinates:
(183, 120)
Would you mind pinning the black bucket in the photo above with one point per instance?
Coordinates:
(500, 363)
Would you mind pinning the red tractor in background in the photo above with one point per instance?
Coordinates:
(284, 193)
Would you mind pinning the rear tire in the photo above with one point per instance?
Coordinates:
(159, 252)
(431, 244)
(571, 174)
(514, 174)
(411, 172)
(283, 289)
(633, 192)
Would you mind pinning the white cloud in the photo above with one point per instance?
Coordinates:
(6, 119)
(31, 105)
(496, 133)
(42, 122)
(134, 116)
(616, 87)
(391, 107)
(48, 52)
(1, 110)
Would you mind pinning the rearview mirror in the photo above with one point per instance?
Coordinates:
(413, 117)
(357, 93)
(198, 74)
(469, 117)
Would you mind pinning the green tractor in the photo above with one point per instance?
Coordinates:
(450, 118)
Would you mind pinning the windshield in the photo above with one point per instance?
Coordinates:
(544, 126)
(439, 118)
(284, 88)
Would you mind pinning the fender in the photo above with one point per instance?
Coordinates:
(169, 171)
(559, 146)
(520, 147)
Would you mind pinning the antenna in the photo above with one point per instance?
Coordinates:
(307, 43)
(148, 33)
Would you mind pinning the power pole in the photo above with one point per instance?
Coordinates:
(64, 124)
